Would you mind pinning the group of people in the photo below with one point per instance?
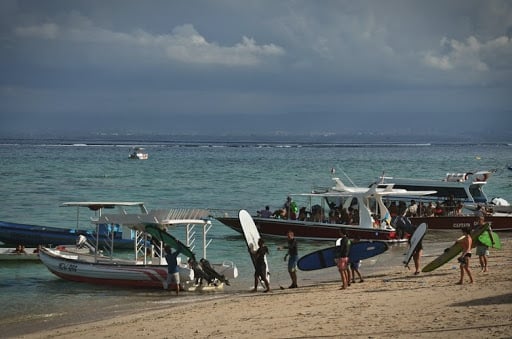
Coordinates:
(466, 242)
(347, 269)
(260, 263)
(450, 207)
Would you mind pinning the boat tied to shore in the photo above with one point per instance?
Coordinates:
(148, 268)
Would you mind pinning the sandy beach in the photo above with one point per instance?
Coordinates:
(395, 304)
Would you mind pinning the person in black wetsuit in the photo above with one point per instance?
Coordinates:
(261, 266)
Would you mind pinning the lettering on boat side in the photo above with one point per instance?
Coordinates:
(68, 267)
(462, 225)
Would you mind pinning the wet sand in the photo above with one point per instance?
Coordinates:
(395, 304)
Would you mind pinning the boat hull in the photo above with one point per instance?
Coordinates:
(310, 230)
(498, 223)
(111, 272)
(34, 235)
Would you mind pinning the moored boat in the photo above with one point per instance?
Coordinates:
(359, 211)
(13, 234)
(148, 269)
(457, 203)
(15, 254)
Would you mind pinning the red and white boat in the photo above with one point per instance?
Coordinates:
(149, 268)
(325, 213)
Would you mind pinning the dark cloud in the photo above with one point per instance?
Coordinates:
(233, 65)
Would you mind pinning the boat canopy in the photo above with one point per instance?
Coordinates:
(98, 205)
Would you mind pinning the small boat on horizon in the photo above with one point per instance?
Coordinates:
(138, 153)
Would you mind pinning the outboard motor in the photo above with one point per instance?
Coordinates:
(403, 225)
(82, 242)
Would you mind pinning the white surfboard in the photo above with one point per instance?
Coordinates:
(416, 238)
(251, 235)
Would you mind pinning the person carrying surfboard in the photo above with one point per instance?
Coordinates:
(482, 250)
(260, 266)
(343, 250)
(466, 243)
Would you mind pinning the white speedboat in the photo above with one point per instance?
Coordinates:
(457, 199)
(138, 153)
(466, 188)
(360, 211)
(148, 268)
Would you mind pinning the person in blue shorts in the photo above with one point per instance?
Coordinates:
(293, 258)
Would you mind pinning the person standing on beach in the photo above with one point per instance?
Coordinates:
(293, 257)
(466, 243)
(354, 267)
(482, 250)
(342, 252)
(416, 255)
(261, 266)
(173, 275)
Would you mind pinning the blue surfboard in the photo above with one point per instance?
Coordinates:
(325, 258)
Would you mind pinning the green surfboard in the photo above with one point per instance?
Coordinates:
(168, 239)
(485, 238)
(452, 252)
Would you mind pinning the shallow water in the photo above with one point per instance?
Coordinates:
(38, 176)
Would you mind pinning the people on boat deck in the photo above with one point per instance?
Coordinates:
(482, 250)
(293, 257)
(173, 275)
(393, 209)
(266, 213)
(290, 208)
(412, 210)
(466, 243)
(342, 252)
(260, 266)
(20, 249)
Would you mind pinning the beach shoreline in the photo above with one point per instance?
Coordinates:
(394, 304)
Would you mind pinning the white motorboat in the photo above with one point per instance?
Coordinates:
(148, 269)
(138, 153)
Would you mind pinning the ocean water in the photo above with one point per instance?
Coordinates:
(38, 175)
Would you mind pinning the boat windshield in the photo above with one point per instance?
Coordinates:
(478, 194)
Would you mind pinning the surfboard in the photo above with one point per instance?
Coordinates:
(415, 240)
(168, 239)
(485, 238)
(251, 235)
(452, 251)
(325, 258)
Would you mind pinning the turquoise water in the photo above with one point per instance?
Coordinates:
(37, 176)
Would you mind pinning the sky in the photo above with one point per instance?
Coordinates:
(234, 67)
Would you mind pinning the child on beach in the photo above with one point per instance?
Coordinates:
(466, 243)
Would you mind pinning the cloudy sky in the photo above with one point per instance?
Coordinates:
(232, 66)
